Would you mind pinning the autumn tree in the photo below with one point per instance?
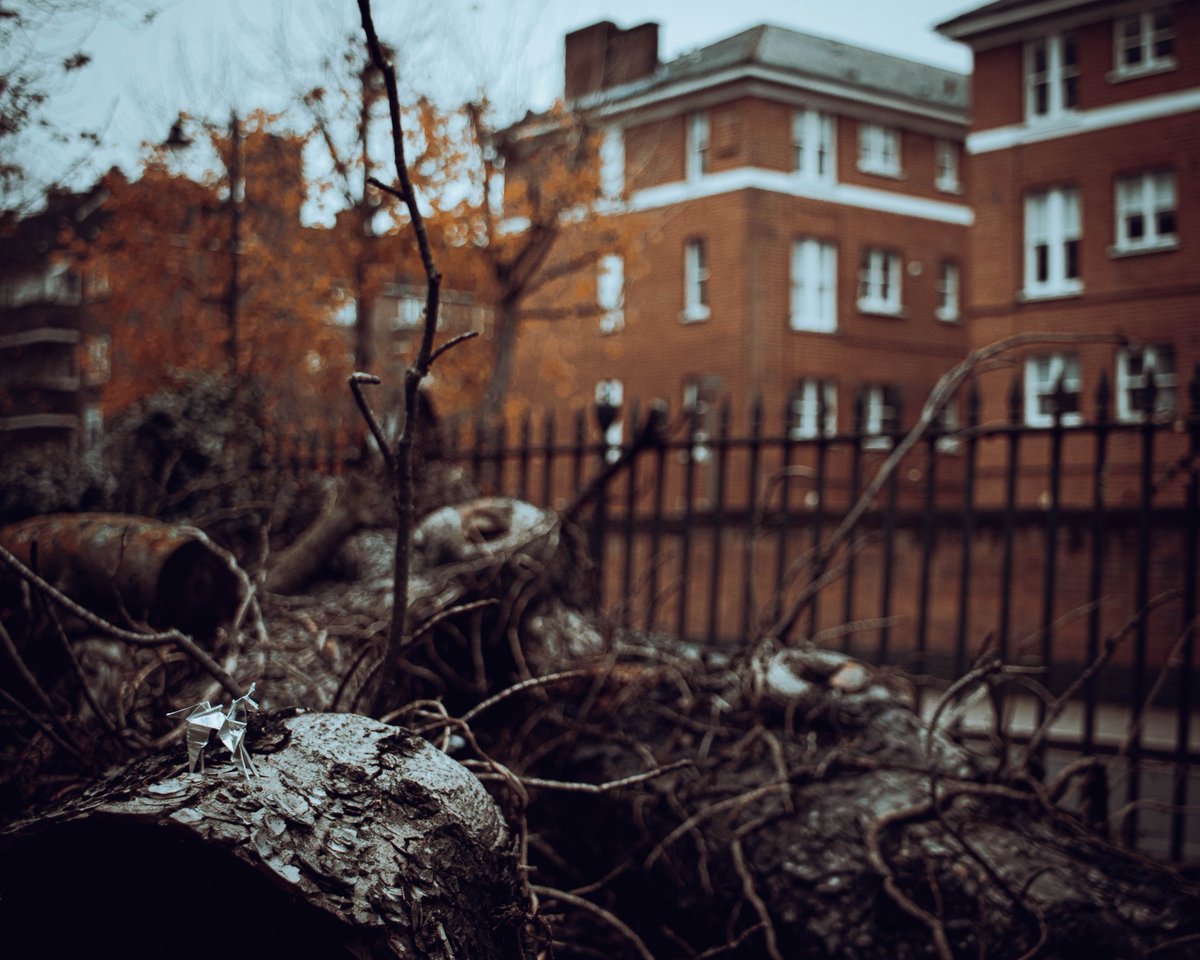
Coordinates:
(537, 224)
(189, 267)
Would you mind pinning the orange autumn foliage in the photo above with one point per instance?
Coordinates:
(165, 253)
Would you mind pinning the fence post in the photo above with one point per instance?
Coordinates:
(750, 534)
(968, 531)
(1099, 537)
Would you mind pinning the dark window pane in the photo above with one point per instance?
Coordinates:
(1133, 55)
(1166, 223)
(1135, 226)
(1071, 92)
(1041, 97)
(1042, 256)
(1070, 55)
(1072, 251)
(1164, 48)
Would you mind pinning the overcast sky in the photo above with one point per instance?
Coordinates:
(205, 56)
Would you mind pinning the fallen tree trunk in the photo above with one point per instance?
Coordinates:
(355, 840)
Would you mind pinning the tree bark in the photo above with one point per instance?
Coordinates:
(357, 839)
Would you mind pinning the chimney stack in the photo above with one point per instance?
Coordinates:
(603, 55)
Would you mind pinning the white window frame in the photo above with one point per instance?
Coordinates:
(879, 149)
(949, 291)
(948, 424)
(1145, 39)
(879, 275)
(1130, 382)
(1042, 373)
(946, 163)
(409, 310)
(804, 408)
(699, 153)
(814, 146)
(813, 286)
(97, 364)
(878, 414)
(696, 276)
(612, 393)
(93, 426)
(612, 164)
(1059, 78)
(610, 292)
(1146, 195)
(1053, 231)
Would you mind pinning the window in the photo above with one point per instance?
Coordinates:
(346, 314)
(1051, 76)
(813, 145)
(408, 313)
(93, 426)
(701, 397)
(1145, 42)
(612, 164)
(1146, 211)
(1135, 368)
(1052, 230)
(880, 415)
(610, 293)
(697, 145)
(695, 281)
(97, 362)
(609, 397)
(946, 423)
(946, 163)
(947, 291)
(879, 282)
(814, 286)
(810, 397)
(1043, 377)
(878, 149)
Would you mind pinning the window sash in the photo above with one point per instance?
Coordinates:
(814, 286)
(813, 145)
(948, 286)
(1053, 227)
(878, 149)
(698, 145)
(1042, 374)
(1133, 376)
(696, 276)
(612, 164)
(805, 410)
(610, 292)
(879, 281)
(1051, 76)
(1145, 207)
(946, 177)
(1144, 41)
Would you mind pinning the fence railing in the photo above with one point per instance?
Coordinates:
(1071, 547)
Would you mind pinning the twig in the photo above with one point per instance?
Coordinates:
(184, 642)
(39, 723)
(872, 838)
(550, 893)
(451, 344)
(750, 892)
(651, 432)
(711, 811)
(356, 381)
(30, 681)
(519, 688)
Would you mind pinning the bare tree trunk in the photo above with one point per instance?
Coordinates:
(503, 359)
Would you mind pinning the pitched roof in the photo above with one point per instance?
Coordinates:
(819, 58)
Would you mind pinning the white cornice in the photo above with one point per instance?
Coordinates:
(989, 30)
(794, 82)
(772, 181)
(1085, 121)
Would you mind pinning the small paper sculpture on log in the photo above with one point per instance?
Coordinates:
(203, 719)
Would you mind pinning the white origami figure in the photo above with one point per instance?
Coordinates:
(203, 719)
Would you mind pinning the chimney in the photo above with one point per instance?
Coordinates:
(603, 55)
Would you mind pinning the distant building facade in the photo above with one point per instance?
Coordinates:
(54, 357)
(1084, 150)
(804, 223)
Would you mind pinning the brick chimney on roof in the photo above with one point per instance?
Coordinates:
(603, 55)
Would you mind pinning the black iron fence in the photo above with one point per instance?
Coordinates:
(1071, 548)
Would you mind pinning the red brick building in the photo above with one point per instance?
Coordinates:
(802, 227)
(1084, 153)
